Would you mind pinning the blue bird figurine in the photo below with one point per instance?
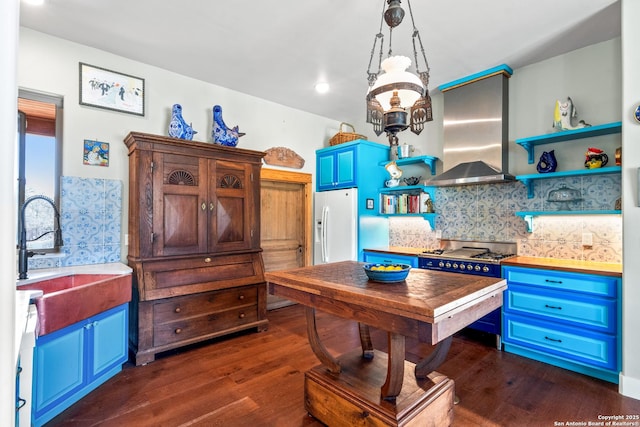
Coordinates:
(178, 128)
(222, 134)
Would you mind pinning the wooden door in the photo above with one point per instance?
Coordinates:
(285, 225)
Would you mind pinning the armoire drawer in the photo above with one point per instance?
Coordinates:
(596, 285)
(599, 314)
(186, 276)
(175, 327)
(205, 303)
(577, 345)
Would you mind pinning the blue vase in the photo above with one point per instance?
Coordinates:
(547, 163)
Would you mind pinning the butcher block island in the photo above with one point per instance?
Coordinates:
(194, 246)
(369, 387)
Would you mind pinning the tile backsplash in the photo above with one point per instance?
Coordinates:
(487, 213)
(91, 212)
(90, 218)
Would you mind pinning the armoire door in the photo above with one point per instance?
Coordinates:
(181, 206)
(233, 206)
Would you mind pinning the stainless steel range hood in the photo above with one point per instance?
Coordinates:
(476, 129)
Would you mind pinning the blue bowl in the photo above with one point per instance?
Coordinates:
(384, 276)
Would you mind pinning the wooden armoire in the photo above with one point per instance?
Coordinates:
(194, 242)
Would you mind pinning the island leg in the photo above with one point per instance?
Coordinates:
(316, 345)
(433, 360)
(395, 367)
(365, 341)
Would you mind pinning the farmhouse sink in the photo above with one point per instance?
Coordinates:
(71, 298)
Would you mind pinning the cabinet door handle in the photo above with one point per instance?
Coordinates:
(557, 307)
(203, 206)
(552, 339)
(211, 206)
(178, 330)
(553, 281)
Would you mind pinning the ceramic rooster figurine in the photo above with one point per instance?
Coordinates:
(563, 114)
(178, 128)
(222, 134)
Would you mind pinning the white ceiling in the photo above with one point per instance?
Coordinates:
(279, 50)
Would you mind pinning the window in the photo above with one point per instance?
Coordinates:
(39, 154)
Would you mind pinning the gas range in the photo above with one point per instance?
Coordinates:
(479, 258)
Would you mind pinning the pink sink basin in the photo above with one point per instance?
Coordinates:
(70, 299)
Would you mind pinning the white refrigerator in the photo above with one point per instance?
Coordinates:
(339, 232)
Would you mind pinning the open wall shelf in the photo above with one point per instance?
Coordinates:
(528, 180)
(531, 142)
(427, 160)
(529, 215)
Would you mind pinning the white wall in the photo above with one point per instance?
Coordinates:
(630, 377)
(266, 124)
(8, 128)
(591, 76)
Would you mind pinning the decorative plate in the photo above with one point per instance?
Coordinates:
(387, 273)
(636, 114)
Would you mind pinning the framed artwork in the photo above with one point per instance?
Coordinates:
(110, 90)
(95, 153)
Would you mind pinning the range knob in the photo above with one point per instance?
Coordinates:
(441, 264)
(477, 268)
(455, 265)
(485, 269)
(462, 266)
(448, 265)
(469, 267)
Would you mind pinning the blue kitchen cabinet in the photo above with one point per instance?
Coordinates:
(352, 164)
(336, 168)
(566, 319)
(71, 362)
(388, 258)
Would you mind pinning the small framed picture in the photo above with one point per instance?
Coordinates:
(369, 203)
(110, 90)
(95, 153)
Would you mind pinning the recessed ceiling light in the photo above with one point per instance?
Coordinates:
(34, 2)
(322, 87)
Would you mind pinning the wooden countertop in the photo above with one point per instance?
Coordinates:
(400, 250)
(576, 266)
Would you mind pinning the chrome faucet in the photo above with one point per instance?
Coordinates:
(23, 253)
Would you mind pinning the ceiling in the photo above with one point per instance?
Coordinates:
(279, 51)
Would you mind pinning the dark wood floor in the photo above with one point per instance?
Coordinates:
(256, 379)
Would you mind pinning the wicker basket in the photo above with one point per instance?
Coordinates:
(342, 137)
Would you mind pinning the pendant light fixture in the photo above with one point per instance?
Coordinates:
(398, 99)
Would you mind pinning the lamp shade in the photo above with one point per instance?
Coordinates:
(397, 78)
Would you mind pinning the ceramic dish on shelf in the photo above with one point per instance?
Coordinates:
(387, 273)
(564, 194)
(412, 180)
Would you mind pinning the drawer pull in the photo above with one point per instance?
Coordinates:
(553, 306)
(177, 310)
(241, 297)
(552, 339)
(178, 330)
(553, 281)
(242, 316)
(207, 260)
